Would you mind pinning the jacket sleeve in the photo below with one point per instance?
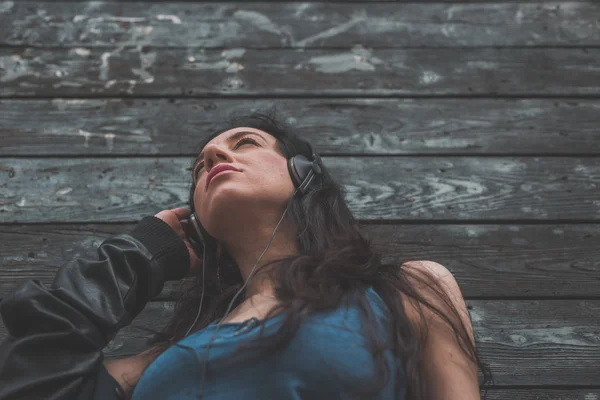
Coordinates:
(56, 334)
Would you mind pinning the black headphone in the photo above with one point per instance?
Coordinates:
(303, 173)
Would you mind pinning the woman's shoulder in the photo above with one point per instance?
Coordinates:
(435, 283)
(437, 269)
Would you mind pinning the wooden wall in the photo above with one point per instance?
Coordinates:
(466, 133)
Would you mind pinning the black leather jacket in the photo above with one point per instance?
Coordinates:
(56, 334)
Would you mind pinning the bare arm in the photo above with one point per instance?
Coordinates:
(127, 371)
(448, 372)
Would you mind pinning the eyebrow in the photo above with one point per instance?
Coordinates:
(230, 139)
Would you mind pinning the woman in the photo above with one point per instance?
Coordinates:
(296, 304)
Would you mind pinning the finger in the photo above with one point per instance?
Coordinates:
(184, 224)
(182, 212)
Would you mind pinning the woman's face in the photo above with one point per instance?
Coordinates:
(262, 184)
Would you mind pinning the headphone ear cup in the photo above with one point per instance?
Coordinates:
(299, 167)
(303, 171)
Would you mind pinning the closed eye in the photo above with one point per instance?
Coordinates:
(238, 144)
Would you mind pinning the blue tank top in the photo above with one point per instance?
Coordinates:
(327, 358)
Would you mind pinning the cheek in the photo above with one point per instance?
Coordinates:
(286, 180)
(274, 166)
(277, 176)
(283, 173)
(196, 198)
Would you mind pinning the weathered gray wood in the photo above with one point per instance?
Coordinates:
(334, 126)
(345, 72)
(281, 2)
(537, 348)
(522, 339)
(543, 393)
(289, 1)
(550, 342)
(376, 188)
(526, 261)
(299, 25)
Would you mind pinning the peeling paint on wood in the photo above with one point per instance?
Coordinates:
(300, 25)
(6, 6)
(359, 59)
(361, 71)
(345, 126)
(390, 188)
(126, 52)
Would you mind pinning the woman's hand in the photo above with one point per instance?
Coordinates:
(177, 219)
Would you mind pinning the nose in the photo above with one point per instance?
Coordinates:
(214, 154)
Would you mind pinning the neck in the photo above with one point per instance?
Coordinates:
(259, 288)
(247, 252)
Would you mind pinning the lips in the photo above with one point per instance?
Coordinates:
(218, 169)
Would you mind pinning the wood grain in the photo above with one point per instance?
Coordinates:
(299, 25)
(488, 261)
(83, 190)
(359, 71)
(290, 1)
(461, 132)
(347, 126)
(543, 393)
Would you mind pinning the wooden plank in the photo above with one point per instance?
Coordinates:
(289, 1)
(299, 25)
(283, 2)
(334, 126)
(408, 188)
(488, 261)
(287, 72)
(94, 190)
(550, 342)
(519, 339)
(543, 393)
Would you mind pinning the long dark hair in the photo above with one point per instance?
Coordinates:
(335, 261)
